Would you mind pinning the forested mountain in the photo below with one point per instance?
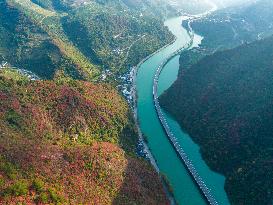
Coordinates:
(231, 26)
(229, 3)
(225, 103)
(190, 7)
(157, 7)
(79, 37)
(69, 142)
(63, 139)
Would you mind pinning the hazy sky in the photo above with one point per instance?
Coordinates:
(200, 6)
(184, 4)
(222, 3)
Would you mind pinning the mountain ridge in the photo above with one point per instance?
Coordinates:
(224, 102)
(70, 142)
(81, 39)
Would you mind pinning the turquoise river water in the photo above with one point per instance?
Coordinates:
(184, 188)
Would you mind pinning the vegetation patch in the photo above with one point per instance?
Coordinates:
(64, 142)
(228, 112)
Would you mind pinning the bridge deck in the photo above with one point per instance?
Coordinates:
(179, 150)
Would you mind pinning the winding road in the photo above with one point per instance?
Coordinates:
(179, 150)
(192, 181)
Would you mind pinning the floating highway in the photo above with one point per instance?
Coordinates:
(179, 150)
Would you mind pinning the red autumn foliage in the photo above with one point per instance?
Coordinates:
(59, 143)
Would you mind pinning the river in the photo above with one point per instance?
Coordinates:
(184, 188)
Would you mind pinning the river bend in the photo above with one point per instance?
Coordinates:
(184, 188)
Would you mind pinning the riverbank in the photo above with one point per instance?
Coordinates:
(184, 188)
(140, 134)
(135, 112)
(179, 150)
(166, 159)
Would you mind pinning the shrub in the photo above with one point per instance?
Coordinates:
(13, 118)
(55, 197)
(9, 169)
(19, 188)
(89, 165)
(2, 182)
(38, 185)
(43, 198)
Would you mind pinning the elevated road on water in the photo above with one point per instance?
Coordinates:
(179, 150)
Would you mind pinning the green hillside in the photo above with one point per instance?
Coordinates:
(224, 102)
(81, 38)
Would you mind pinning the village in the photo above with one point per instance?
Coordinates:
(126, 86)
(30, 75)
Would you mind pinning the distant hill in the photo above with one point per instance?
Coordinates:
(156, 7)
(229, 3)
(190, 7)
(79, 37)
(232, 26)
(224, 101)
(69, 142)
